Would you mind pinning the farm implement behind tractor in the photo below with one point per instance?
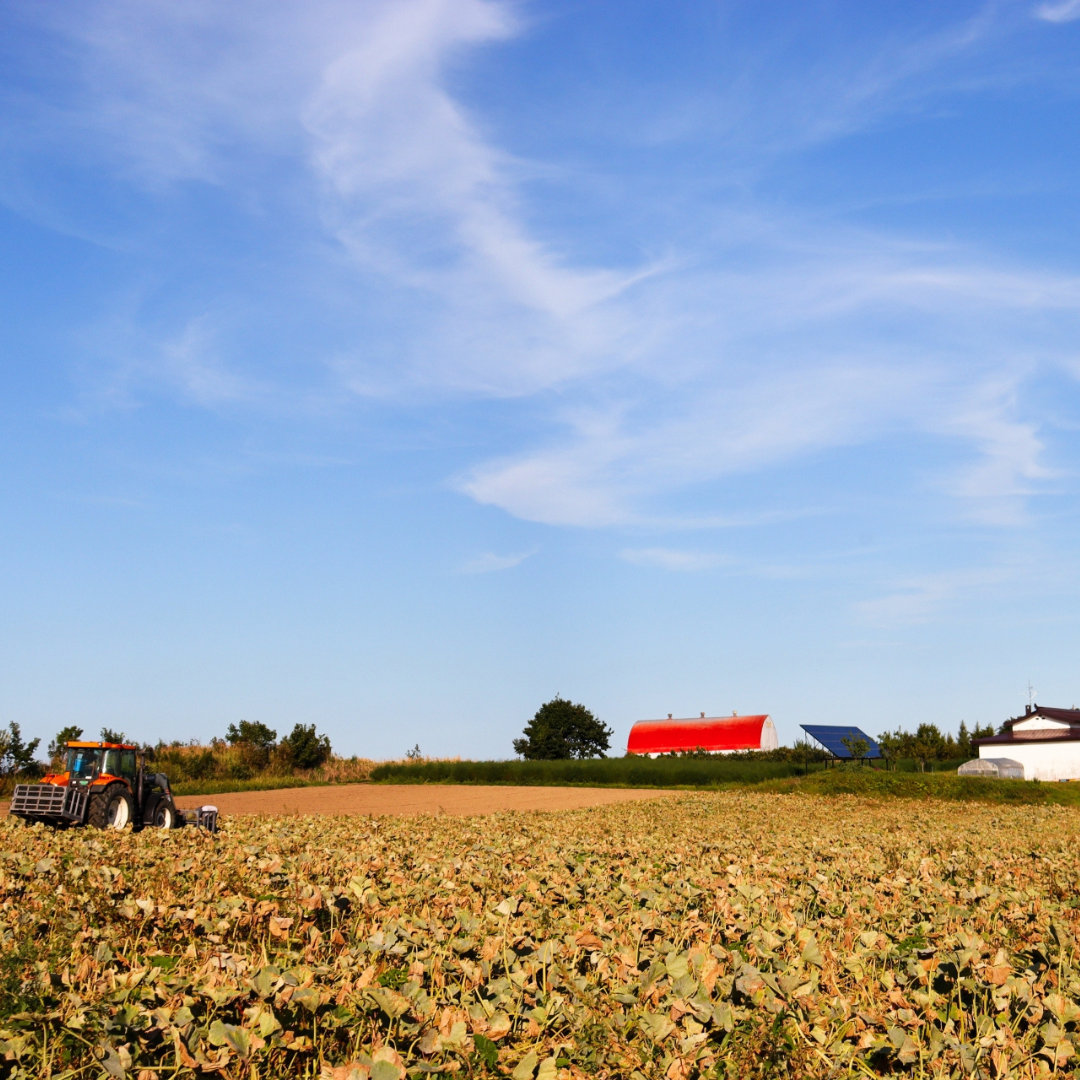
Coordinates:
(108, 786)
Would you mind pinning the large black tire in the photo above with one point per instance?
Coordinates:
(160, 814)
(112, 808)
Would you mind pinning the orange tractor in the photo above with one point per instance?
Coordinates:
(108, 786)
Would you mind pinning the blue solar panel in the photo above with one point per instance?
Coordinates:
(832, 739)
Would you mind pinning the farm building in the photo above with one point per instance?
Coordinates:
(1045, 741)
(715, 734)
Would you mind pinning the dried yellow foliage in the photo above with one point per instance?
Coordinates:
(723, 935)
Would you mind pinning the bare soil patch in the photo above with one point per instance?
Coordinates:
(397, 799)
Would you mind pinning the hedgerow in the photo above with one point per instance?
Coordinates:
(629, 771)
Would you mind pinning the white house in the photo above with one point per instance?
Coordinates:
(1045, 741)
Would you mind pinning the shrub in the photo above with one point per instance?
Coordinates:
(252, 734)
(200, 765)
(305, 748)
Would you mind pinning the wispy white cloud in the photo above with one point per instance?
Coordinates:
(489, 562)
(192, 362)
(606, 468)
(650, 377)
(1064, 12)
(922, 598)
(346, 104)
(785, 365)
(393, 145)
(1010, 464)
(667, 559)
(396, 151)
(188, 363)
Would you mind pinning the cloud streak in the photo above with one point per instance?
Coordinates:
(1064, 12)
(922, 598)
(489, 562)
(679, 561)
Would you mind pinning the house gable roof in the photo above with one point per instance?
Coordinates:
(1062, 725)
(1061, 716)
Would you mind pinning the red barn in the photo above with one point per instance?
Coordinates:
(717, 734)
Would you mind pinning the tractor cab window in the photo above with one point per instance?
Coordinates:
(119, 763)
(112, 764)
(82, 762)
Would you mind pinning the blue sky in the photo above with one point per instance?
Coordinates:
(393, 366)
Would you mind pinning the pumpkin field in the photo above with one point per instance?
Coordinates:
(729, 934)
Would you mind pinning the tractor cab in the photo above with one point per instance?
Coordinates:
(93, 763)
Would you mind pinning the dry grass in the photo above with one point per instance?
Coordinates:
(204, 770)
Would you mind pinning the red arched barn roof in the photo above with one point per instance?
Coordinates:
(706, 733)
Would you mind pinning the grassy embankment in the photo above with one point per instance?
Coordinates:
(878, 784)
(719, 773)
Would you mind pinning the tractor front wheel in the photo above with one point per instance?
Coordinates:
(164, 816)
(111, 809)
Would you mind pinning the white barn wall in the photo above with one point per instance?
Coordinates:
(769, 740)
(1041, 761)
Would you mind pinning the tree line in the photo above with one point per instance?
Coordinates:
(247, 749)
(927, 743)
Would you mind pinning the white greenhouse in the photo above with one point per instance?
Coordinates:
(1000, 768)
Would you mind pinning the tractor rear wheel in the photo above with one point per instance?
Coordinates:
(112, 808)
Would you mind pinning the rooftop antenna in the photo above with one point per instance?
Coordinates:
(1031, 692)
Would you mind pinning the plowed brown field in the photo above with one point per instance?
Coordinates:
(379, 799)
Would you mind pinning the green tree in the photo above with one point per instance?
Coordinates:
(58, 747)
(891, 744)
(108, 735)
(253, 733)
(928, 744)
(305, 748)
(561, 730)
(856, 747)
(16, 756)
(963, 741)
